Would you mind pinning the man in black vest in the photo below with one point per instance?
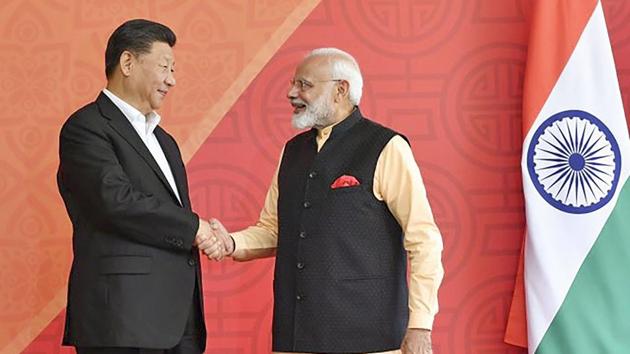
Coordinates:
(345, 211)
(135, 283)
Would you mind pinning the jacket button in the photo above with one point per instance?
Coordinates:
(300, 265)
(191, 262)
(307, 205)
(312, 175)
(299, 297)
(302, 235)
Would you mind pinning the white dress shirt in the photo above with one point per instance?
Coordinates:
(144, 126)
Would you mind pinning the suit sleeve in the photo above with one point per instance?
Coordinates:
(90, 171)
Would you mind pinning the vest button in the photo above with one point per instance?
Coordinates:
(191, 262)
(299, 297)
(303, 235)
(307, 205)
(312, 175)
(300, 265)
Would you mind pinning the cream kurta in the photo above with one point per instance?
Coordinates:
(397, 182)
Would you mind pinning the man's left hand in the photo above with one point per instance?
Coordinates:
(417, 341)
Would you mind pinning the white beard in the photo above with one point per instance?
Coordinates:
(316, 114)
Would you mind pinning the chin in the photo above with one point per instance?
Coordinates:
(302, 121)
(156, 105)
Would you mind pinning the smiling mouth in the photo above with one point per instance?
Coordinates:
(298, 107)
(162, 92)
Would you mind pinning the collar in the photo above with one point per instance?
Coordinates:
(135, 117)
(341, 126)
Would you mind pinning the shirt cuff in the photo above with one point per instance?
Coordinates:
(420, 320)
(238, 241)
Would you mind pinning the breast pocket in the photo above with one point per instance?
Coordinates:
(344, 190)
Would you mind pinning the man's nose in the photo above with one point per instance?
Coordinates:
(170, 79)
(293, 92)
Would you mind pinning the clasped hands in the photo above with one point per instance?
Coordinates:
(214, 240)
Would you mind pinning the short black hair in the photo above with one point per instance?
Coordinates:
(136, 36)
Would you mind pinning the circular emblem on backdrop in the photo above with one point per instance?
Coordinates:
(574, 162)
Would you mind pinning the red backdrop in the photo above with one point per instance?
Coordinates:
(447, 74)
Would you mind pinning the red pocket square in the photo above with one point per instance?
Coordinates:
(345, 181)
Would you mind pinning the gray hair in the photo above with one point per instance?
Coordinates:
(344, 67)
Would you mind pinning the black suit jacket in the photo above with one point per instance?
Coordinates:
(135, 267)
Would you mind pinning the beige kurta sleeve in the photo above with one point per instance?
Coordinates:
(398, 182)
(261, 239)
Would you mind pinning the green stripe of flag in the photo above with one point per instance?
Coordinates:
(595, 315)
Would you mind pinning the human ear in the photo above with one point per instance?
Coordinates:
(343, 88)
(126, 62)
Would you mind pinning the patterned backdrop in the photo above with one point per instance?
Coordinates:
(447, 74)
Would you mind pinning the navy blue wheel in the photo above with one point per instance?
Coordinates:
(574, 162)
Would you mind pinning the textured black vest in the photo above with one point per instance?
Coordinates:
(340, 275)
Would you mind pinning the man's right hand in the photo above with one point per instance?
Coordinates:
(207, 242)
(214, 240)
(417, 341)
(221, 242)
(223, 236)
(204, 232)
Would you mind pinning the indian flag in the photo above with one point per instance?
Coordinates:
(575, 166)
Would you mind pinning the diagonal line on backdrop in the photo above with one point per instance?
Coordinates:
(37, 324)
(212, 118)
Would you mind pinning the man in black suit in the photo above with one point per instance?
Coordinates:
(135, 282)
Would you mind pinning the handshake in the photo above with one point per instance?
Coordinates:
(214, 240)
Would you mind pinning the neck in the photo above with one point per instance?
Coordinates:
(338, 116)
(124, 93)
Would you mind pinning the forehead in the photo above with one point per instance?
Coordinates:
(313, 68)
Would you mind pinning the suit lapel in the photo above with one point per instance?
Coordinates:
(175, 162)
(119, 122)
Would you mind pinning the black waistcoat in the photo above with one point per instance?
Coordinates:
(340, 275)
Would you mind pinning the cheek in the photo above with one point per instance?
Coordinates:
(305, 97)
(158, 79)
(153, 87)
(154, 78)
